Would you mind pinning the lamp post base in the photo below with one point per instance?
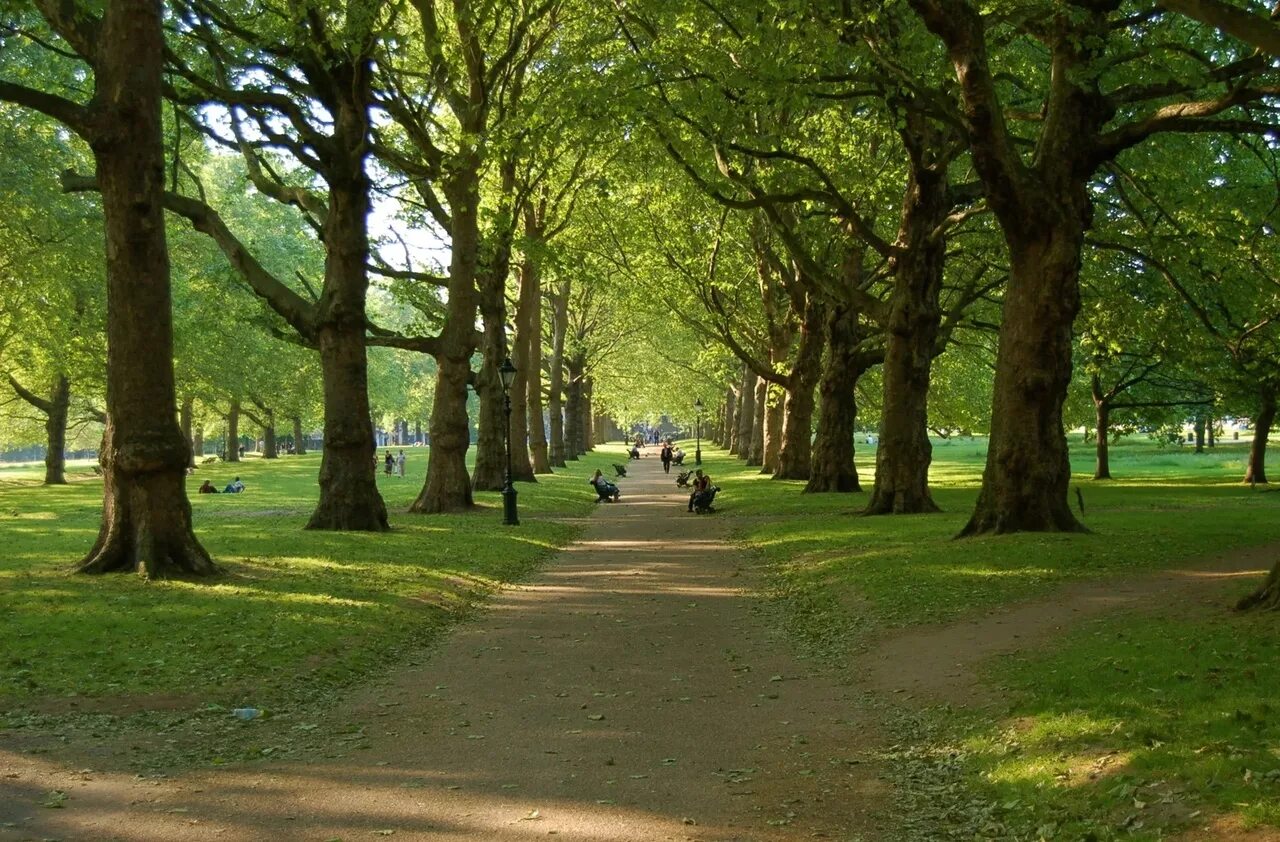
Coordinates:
(697, 456)
(509, 516)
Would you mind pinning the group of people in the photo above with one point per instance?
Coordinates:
(233, 487)
(670, 455)
(703, 492)
(394, 464)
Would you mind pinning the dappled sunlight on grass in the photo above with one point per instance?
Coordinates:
(297, 611)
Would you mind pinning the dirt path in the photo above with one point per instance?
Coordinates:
(935, 663)
(629, 692)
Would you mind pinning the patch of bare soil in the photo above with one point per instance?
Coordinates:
(936, 663)
(1227, 829)
(629, 692)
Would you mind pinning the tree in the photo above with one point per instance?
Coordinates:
(146, 523)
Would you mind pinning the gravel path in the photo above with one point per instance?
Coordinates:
(628, 692)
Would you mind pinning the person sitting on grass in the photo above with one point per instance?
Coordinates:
(208, 488)
(605, 490)
(234, 487)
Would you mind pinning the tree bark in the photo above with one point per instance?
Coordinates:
(833, 465)
(1102, 410)
(573, 409)
(775, 400)
(146, 519)
(491, 439)
(448, 485)
(1210, 424)
(299, 443)
(755, 454)
(729, 421)
(555, 380)
(197, 443)
(233, 432)
(904, 452)
(1028, 472)
(1256, 472)
(1200, 433)
(55, 409)
(746, 411)
(349, 498)
(588, 415)
(269, 449)
(184, 423)
(795, 455)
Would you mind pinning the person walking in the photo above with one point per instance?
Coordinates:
(666, 458)
(389, 464)
(400, 460)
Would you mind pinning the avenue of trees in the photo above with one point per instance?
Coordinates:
(924, 217)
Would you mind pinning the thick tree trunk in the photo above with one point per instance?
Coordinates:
(1210, 424)
(269, 449)
(833, 465)
(349, 498)
(1028, 472)
(911, 336)
(755, 453)
(1102, 410)
(746, 412)
(529, 335)
(197, 443)
(299, 443)
(775, 403)
(490, 466)
(796, 450)
(448, 485)
(588, 415)
(146, 518)
(233, 432)
(55, 429)
(729, 424)
(555, 380)
(1200, 434)
(184, 423)
(573, 410)
(1256, 472)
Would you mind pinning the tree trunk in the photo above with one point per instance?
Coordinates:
(55, 429)
(1199, 434)
(775, 400)
(746, 412)
(197, 443)
(1256, 472)
(588, 415)
(1028, 472)
(490, 465)
(1102, 408)
(796, 452)
(833, 465)
(730, 421)
(755, 453)
(299, 443)
(269, 450)
(184, 423)
(233, 431)
(555, 381)
(573, 410)
(349, 498)
(911, 335)
(146, 518)
(448, 485)
(1210, 424)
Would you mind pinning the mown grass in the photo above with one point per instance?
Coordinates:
(298, 615)
(1133, 726)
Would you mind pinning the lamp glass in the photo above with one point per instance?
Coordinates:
(507, 371)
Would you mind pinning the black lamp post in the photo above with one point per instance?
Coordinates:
(507, 372)
(697, 454)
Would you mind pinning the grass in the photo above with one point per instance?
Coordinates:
(1128, 727)
(299, 615)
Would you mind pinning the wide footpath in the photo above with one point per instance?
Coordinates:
(630, 691)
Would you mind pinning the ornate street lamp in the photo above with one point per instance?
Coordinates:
(507, 372)
(697, 454)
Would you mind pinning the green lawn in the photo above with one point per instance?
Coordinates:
(299, 615)
(1129, 727)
